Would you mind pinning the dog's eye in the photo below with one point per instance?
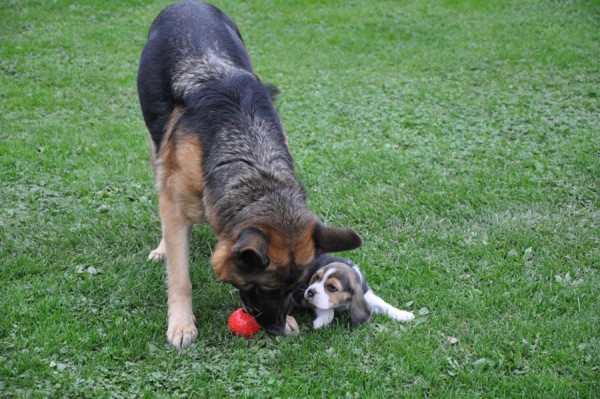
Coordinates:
(331, 288)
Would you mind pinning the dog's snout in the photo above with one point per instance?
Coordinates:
(276, 329)
(310, 293)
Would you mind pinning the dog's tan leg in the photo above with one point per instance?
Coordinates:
(181, 329)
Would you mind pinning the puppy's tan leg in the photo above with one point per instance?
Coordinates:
(181, 329)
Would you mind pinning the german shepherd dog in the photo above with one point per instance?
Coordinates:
(220, 155)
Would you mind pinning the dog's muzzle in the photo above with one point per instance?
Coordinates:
(269, 307)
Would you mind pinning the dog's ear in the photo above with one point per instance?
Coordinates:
(361, 311)
(250, 249)
(273, 91)
(335, 239)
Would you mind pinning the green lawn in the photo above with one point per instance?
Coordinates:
(460, 138)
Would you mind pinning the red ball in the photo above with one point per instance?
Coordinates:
(242, 324)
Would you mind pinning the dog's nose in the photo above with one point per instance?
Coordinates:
(276, 330)
(310, 293)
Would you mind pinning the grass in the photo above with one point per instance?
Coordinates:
(460, 138)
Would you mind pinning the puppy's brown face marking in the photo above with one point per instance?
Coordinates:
(331, 287)
(338, 292)
(318, 276)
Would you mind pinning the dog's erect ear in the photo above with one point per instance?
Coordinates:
(250, 249)
(335, 239)
(361, 311)
(273, 91)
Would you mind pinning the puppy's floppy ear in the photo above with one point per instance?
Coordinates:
(335, 239)
(361, 311)
(250, 249)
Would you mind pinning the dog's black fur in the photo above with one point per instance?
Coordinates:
(207, 30)
(180, 31)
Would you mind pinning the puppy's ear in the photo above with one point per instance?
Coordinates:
(250, 249)
(361, 311)
(335, 239)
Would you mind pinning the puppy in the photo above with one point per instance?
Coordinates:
(220, 155)
(337, 284)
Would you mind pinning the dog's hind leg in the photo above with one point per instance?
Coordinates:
(160, 253)
(378, 305)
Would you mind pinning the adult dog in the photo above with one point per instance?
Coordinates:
(220, 155)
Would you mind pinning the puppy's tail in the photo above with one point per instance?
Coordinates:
(378, 305)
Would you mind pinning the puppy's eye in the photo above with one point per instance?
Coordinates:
(331, 288)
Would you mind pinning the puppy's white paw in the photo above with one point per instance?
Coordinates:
(401, 315)
(160, 253)
(291, 326)
(182, 333)
(324, 317)
(318, 323)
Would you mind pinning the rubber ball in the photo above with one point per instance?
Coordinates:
(243, 324)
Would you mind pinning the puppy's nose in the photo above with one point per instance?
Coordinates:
(310, 293)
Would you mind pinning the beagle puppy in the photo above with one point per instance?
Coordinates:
(337, 284)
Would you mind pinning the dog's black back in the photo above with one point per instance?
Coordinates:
(195, 60)
(187, 30)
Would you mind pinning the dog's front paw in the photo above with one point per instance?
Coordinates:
(182, 333)
(291, 326)
(160, 253)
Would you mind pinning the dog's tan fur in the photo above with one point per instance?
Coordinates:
(279, 251)
(180, 183)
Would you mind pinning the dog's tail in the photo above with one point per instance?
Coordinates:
(378, 305)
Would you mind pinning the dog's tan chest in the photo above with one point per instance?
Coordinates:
(179, 176)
